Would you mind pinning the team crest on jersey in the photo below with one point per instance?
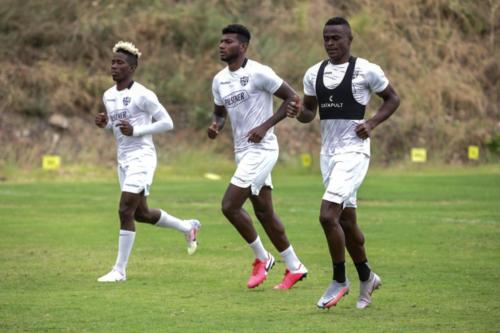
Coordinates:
(126, 100)
(243, 80)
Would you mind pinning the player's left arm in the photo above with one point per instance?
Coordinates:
(163, 122)
(288, 95)
(389, 105)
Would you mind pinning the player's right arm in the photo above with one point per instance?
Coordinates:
(218, 121)
(308, 110)
(101, 119)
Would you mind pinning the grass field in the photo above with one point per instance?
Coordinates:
(433, 237)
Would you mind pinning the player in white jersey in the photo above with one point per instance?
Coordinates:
(130, 110)
(341, 87)
(244, 90)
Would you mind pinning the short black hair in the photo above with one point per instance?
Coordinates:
(338, 21)
(132, 59)
(242, 32)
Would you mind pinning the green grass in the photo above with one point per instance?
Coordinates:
(432, 235)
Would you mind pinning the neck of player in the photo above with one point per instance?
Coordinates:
(341, 60)
(123, 84)
(236, 64)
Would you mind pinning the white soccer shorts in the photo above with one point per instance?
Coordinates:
(136, 176)
(254, 168)
(342, 176)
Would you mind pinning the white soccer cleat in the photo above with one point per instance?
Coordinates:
(366, 289)
(113, 276)
(333, 294)
(192, 244)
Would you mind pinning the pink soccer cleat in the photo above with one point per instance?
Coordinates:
(259, 271)
(291, 278)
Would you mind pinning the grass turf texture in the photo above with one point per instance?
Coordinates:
(433, 237)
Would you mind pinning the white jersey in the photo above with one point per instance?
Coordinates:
(338, 135)
(138, 105)
(247, 95)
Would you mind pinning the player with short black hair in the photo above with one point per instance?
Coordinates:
(244, 90)
(341, 87)
(242, 33)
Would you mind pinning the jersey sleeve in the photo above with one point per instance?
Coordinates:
(215, 92)
(163, 122)
(376, 79)
(266, 79)
(310, 82)
(149, 102)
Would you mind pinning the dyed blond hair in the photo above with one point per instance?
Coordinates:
(127, 47)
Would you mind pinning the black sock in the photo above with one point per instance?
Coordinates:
(339, 272)
(363, 270)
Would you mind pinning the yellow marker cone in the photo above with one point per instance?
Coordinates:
(51, 162)
(306, 160)
(473, 153)
(419, 155)
(211, 176)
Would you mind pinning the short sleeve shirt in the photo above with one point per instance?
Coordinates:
(338, 135)
(247, 95)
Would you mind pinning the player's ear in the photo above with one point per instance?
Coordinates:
(244, 46)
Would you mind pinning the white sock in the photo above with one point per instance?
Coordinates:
(168, 221)
(259, 250)
(125, 244)
(290, 258)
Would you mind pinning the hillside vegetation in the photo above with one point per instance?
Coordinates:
(441, 57)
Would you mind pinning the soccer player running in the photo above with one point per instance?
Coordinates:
(342, 86)
(244, 90)
(130, 109)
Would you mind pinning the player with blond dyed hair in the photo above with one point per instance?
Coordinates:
(130, 110)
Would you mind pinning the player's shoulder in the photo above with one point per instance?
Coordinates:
(253, 66)
(221, 74)
(140, 90)
(366, 66)
(312, 72)
(110, 91)
(314, 68)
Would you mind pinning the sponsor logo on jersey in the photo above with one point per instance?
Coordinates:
(244, 80)
(126, 100)
(332, 104)
(118, 115)
(236, 98)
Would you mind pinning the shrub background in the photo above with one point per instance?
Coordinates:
(441, 56)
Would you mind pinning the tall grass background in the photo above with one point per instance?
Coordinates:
(441, 57)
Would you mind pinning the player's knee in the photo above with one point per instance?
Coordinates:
(263, 215)
(125, 213)
(227, 209)
(140, 217)
(328, 221)
(360, 239)
(346, 225)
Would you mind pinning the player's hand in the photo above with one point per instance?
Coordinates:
(125, 128)
(213, 130)
(364, 130)
(294, 108)
(101, 119)
(255, 135)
